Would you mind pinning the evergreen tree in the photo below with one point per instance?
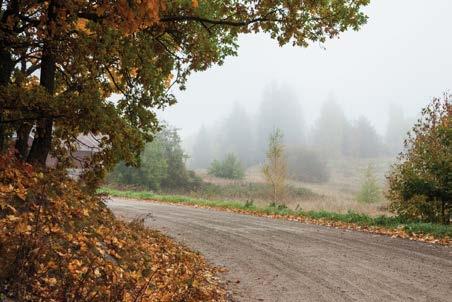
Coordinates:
(364, 142)
(280, 109)
(329, 133)
(162, 165)
(237, 136)
(396, 130)
(202, 154)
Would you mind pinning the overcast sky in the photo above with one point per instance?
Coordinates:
(402, 56)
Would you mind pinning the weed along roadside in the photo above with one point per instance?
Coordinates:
(384, 225)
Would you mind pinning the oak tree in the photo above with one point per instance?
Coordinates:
(71, 67)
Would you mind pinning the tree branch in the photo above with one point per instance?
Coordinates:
(220, 22)
(29, 119)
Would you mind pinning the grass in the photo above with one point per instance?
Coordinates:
(243, 191)
(411, 227)
(335, 196)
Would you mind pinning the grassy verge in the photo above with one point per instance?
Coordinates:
(362, 220)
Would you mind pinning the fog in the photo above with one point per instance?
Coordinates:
(400, 58)
(332, 135)
(344, 109)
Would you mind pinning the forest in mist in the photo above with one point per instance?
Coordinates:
(332, 135)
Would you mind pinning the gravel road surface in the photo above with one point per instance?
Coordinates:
(277, 260)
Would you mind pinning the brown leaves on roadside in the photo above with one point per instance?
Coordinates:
(58, 243)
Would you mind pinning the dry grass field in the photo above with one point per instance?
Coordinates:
(336, 195)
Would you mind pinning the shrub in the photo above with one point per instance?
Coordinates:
(370, 191)
(162, 165)
(230, 168)
(177, 175)
(420, 181)
(152, 171)
(306, 165)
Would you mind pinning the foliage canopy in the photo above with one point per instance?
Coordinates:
(88, 52)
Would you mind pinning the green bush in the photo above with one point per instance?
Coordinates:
(230, 168)
(370, 191)
(420, 182)
(162, 165)
(152, 170)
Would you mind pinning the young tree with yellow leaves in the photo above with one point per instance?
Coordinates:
(275, 167)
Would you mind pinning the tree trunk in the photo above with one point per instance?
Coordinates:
(445, 212)
(42, 141)
(6, 68)
(2, 133)
(23, 134)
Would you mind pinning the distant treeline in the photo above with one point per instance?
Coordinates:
(332, 135)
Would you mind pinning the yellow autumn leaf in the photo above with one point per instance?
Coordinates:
(133, 71)
(97, 272)
(12, 218)
(51, 281)
(13, 209)
(194, 3)
(6, 188)
(23, 228)
(82, 25)
(168, 80)
(54, 229)
(73, 266)
(22, 195)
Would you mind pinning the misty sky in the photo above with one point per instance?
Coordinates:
(402, 56)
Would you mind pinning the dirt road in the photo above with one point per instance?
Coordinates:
(277, 260)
